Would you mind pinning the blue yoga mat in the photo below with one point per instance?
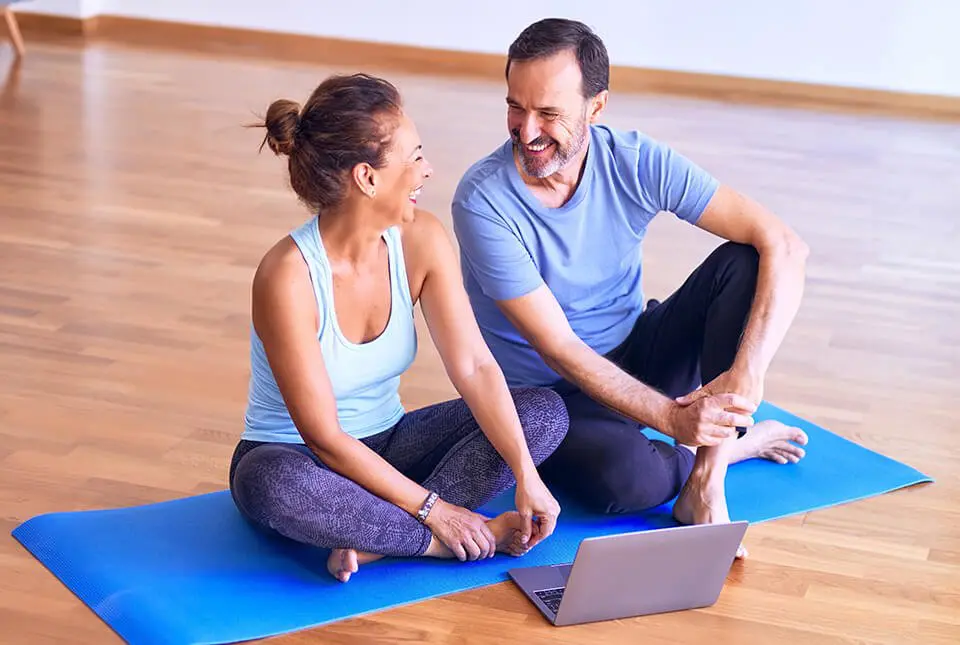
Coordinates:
(191, 571)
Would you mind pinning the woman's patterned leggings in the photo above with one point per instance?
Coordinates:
(285, 488)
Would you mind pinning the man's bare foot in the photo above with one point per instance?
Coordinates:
(770, 440)
(343, 563)
(703, 501)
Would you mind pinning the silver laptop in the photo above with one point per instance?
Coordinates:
(635, 574)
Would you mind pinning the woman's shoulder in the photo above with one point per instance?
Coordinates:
(281, 274)
(422, 232)
(424, 238)
(280, 260)
(421, 237)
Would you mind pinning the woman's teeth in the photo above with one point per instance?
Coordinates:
(414, 194)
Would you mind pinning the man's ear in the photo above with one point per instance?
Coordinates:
(598, 104)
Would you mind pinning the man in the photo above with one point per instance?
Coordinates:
(550, 227)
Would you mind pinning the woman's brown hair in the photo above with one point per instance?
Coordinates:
(346, 121)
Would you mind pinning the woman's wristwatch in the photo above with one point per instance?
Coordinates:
(427, 506)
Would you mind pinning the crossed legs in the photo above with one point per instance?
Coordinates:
(286, 489)
(609, 465)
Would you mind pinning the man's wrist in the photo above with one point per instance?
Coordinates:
(746, 365)
(663, 416)
(748, 371)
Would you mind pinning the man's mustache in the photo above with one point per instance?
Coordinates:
(539, 141)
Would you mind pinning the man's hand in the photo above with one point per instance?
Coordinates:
(464, 532)
(705, 419)
(735, 381)
(534, 500)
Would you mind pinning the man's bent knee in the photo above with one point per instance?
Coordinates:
(635, 494)
(741, 257)
(633, 482)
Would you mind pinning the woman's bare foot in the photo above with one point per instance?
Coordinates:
(343, 563)
(770, 440)
(508, 529)
(703, 501)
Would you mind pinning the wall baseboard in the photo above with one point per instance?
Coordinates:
(352, 54)
(44, 26)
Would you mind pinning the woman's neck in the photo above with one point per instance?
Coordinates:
(348, 235)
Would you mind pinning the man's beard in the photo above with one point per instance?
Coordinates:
(560, 157)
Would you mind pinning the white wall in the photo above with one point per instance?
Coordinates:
(905, 45)
(65, 8)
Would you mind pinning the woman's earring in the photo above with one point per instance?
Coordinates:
(373, 193)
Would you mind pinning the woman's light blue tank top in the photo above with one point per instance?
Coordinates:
(365, 377)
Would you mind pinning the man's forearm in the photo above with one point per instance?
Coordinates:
(780, 285)
(604, 381)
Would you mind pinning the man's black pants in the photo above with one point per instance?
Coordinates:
(605, 462)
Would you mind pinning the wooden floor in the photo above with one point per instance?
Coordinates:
(134, 208)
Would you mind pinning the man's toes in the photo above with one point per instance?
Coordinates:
(792, 452)
(785, 454)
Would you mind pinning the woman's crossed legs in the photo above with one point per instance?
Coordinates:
(286, 489)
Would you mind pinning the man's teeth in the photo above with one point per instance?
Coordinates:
(539, 148)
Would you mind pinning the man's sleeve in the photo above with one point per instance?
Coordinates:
(493, 254)
(671, 182)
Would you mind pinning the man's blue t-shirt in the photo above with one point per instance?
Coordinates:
(588, 251)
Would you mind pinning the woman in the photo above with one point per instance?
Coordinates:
(329, 456)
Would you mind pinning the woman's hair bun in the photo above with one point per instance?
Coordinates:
(281, 122)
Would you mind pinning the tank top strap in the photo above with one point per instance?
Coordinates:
(307, 238)
(308, 241)
(398, 267)
(365, 377)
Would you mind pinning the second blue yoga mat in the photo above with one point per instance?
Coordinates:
(191, 571)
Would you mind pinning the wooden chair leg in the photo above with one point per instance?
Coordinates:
(14, 30)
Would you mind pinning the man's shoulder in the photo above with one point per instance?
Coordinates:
(624, 145)
(484, 179)
(637, 157)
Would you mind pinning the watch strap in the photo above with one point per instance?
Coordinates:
(427, 506)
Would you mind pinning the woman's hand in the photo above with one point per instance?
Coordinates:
(534, 500)
(464, 532)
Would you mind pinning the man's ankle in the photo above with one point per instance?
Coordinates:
(710, 463)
